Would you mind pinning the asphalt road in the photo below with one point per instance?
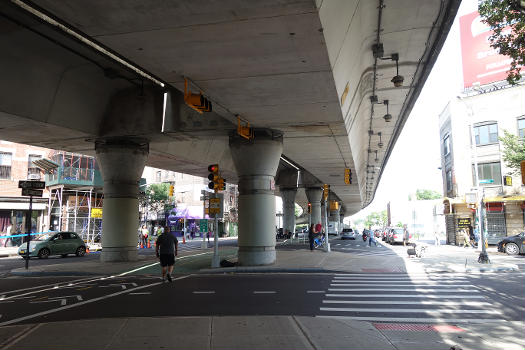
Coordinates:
(447, 297)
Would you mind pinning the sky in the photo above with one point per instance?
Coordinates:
(415, 161)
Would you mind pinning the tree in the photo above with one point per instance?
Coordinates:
(513, 151)
(156, 197)
(423, 195)
(500, 15)
(376, 219)
(298, 210)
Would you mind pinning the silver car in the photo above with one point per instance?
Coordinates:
(348, 233)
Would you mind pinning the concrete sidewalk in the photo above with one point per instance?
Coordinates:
(257, 332)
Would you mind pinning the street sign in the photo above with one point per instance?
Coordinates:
(96, 213)
(464, 222)
(203, 225)
(215, 205)
(35, 185)
(31, 192)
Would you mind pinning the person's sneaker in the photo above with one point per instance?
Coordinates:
(169, 278)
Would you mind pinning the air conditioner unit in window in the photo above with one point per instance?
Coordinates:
(33, 177)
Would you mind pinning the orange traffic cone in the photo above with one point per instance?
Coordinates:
(87, 249)
(141, 246)
(183, 238)
(149, 244)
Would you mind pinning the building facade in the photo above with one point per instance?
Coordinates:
(16, 163)
(471, 160)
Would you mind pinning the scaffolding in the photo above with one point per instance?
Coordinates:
(75, 198)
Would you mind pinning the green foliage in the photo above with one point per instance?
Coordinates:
(500, 14)
(399, 224)
(423, 195)
(376, 219)
(157, 197)
(513, 151)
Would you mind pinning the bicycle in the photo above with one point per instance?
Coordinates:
(319, 241)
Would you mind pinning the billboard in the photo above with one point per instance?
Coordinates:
(481, 63)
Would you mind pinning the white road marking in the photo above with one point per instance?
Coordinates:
(397, 279)
(62, 299)
(400, 290)
(140, 293)
(426, 311)
(396, 302)
(399, 285)
(47, 312)
(203, 292)
(264, 292)
(315, 291)
(416, 320)
(55, 284)
(157, 263)
(440, 296)
(122, 285)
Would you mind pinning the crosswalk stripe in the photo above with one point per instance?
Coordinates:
(396, 302)
(392, 279)
(426, 311)
(440, 296)
(400, 290)
(415, 320)
(399, 285)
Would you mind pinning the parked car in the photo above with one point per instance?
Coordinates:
(60, 243)
(513, 245)
(396, 235)
(348, 233)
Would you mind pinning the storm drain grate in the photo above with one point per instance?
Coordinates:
(441, 328)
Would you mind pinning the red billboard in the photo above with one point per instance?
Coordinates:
(481, 63)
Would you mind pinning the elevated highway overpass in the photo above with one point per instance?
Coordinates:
(312, 78)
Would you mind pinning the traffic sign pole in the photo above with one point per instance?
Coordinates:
(215, 262)
(28, 228)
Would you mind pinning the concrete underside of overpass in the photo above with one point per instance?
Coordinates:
(77, 72)
(302, 67)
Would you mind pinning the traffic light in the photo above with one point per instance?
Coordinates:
(221, 184)
(172, 188)
(326, 190)
(196, 101)
(309, 208)
(348, 176)
(213, 176)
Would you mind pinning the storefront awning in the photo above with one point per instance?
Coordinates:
(519, 198)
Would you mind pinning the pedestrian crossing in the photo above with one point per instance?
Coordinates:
(407, 298)
(364, 250)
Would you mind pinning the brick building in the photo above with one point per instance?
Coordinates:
(15, 165)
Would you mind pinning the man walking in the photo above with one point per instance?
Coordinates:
(166, 249)
(406, 236)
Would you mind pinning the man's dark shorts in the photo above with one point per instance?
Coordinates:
(167, 259)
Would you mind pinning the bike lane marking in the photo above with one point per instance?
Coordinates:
(38, 314)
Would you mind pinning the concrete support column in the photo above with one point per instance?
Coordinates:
(288, 196)
(314, 197)
(256, 162)
(121, 162)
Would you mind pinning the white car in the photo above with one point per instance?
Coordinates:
(348, 233)
(396, 235)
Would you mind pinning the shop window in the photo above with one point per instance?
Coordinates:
(5, 165)
(488, 174)
(486, 134)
